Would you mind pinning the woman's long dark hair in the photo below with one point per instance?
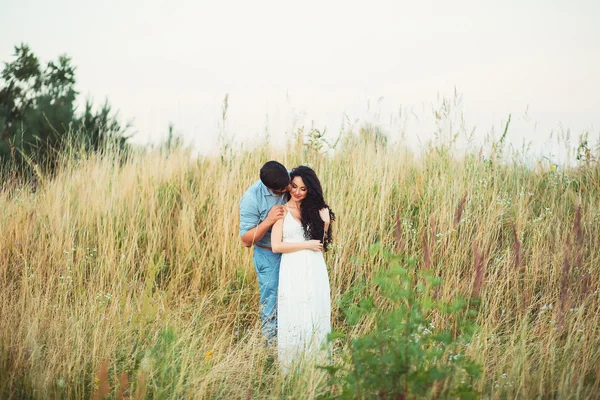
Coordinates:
(313, 202)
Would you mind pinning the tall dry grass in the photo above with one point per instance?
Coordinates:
(130, 279)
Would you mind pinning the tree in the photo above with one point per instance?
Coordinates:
(38, 112)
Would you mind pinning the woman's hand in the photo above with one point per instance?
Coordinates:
(314, 245)
(324, 213)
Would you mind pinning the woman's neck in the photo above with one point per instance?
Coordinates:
(294, 204)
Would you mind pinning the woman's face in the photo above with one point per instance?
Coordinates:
(298, 190)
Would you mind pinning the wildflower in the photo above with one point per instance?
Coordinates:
(208, 355)
(546, 307)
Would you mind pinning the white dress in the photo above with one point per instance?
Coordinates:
(303, 301)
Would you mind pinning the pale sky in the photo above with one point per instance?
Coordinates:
(286, 63)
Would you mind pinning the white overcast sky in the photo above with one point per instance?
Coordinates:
(159, 61)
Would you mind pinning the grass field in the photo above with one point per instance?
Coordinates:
(131, 274)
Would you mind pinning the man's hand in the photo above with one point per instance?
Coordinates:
(275, 214)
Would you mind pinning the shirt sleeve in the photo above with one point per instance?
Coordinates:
(249, 215)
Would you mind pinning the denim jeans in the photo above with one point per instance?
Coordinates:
(266, 264)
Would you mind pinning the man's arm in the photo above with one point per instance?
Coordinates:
(251, 229)
(255, 234)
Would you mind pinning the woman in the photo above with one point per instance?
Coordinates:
(303, 303)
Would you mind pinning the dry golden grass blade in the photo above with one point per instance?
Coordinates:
(139, 263)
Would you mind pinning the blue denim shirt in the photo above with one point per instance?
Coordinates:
(254, 207)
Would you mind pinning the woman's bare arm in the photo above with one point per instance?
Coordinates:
(279, 246)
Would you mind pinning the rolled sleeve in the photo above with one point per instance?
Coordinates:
(249, 215)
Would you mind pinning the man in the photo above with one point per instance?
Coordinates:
(260, 207)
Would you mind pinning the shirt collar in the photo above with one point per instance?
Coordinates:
(265, 190)
(270, 193)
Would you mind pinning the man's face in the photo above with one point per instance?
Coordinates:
(281, 191)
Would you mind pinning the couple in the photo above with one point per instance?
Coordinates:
(286, 219)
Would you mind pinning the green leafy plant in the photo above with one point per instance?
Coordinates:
(402, 354)
(585, 154)
(163, 360)
(316, 141)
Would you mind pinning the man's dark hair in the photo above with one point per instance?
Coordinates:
(274, 175)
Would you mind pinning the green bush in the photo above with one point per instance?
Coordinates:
(402, 354)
